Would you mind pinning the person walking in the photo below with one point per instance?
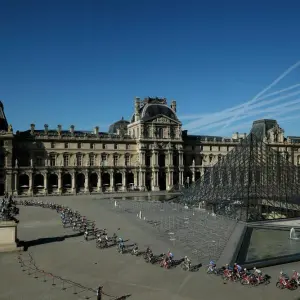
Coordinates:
(99, 293)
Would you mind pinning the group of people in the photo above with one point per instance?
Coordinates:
(79, 222)
(237, 273)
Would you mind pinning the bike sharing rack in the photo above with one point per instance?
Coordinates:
(30, 267)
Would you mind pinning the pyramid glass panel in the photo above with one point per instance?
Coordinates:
(253, 182)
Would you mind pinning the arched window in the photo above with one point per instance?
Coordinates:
(160, 133)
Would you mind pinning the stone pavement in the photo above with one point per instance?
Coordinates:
(80, 261)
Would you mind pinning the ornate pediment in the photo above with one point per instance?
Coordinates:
(164, 120)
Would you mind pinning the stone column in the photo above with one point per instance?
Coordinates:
(155, 186)
(59, 182)
(124, 188)
(170, 158)
(99, 183)
(142, 180)
(86, 182)
(46, 183)
(180, 158)
(30, 184)
(74, 189)
(181, 177)
(16, 188)
(112, 181)
(169, 180)
(135, 175)
(154, 158)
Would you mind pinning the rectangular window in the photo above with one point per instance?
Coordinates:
(127, 160)
(115, 146)
(116, 160)
(39, 161)
(227, 148)
(219, 148)
(92, 146)
(79, 145)
(103, 159)
(79, 160)
(127, 147)
(210, 148)
(103, 146)
(52, 160)
(66, 145)
(66, 160)
(92, 160)
(52, 145)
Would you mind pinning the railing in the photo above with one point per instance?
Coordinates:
(29, 266)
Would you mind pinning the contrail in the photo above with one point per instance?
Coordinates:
(280, 91)
(217, 119)
(284, 74)
(190, 117)
(248, 125)
(240, 105)
(276, 110)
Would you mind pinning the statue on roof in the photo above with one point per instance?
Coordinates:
(10, 128)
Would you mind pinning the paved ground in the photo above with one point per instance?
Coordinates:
(81, 262)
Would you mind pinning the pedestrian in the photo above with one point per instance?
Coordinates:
(99, 293)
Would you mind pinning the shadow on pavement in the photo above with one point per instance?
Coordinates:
(123, 297)
(47, 240)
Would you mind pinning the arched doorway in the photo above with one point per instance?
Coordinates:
(175, 178)
(188, 179)
(23, 183)
(52, 183)
(38, 183)
(130, 181)
(2, 181)
(93, 181)
(118, 181)
(80, 182)
(148, 181)
(66, 182)
(105, 181)
(162, 159)
(162, 180)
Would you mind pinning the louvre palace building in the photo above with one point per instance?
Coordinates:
(150, 152)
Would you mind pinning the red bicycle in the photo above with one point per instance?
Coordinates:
(287, 284)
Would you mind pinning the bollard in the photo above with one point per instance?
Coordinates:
(53, 283)
(74, 290)
(35, 274)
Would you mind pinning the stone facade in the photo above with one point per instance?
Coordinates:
(149, 152)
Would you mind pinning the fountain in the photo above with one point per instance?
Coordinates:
(293, 235)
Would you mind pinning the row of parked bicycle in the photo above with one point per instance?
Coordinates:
(73, 219)
(254, 278)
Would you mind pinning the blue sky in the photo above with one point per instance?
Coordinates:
(83, 62)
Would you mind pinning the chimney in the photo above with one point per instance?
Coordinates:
(59, 129)
(72, 127)
(173, 105)
(137, 105)
(46, 128)
(32, 128)
(96, 130)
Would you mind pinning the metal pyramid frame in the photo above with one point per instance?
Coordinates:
(252, 182)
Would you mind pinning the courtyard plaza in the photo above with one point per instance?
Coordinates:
(81, 262)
